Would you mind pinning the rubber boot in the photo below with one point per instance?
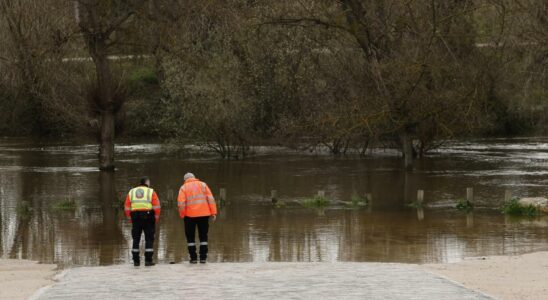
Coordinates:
(148, 259)
(203, 254)
(136, 259)
(193, 255)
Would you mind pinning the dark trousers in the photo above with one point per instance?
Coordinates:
(143, 221)
(190, 231)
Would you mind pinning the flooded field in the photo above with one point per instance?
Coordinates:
(35, 176)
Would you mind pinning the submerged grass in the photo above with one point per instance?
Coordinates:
(514, 208)
(357, 200)
(67, 204)
(464, 206)
(415, 204)
(24, 209)
(317, 201)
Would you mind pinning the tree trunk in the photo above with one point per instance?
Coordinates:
(106, 141)
(97, 29)
(407, 150)
(106, 106)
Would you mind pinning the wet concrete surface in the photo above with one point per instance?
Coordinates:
(257, 281)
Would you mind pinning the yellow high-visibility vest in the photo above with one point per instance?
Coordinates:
(141, 198)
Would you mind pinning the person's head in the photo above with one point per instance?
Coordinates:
(144, 181)
(188, 176)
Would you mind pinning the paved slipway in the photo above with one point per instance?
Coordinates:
(256, 281)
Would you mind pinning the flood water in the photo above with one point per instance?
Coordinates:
(249, 227)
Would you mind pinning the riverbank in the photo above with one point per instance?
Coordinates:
(505, 277)
(22, 278)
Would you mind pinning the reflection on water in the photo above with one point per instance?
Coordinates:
(249, 227)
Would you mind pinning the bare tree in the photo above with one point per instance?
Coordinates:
(34, 42)
(100, 23)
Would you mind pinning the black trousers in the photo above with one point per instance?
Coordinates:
(143, 221)
(190, 231)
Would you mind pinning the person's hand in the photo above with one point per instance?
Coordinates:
(214, 217)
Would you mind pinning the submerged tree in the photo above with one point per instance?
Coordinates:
(100, 23)
(417, 74)
(308, 74)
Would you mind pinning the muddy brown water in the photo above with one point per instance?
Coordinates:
(40, 174)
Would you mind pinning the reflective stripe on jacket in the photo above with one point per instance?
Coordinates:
(195, 199)
(142, 198)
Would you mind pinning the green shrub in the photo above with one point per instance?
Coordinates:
(514, 208)
(67, 204)
(317, 201)
(464, 205)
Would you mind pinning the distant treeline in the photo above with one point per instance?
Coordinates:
(343, 75)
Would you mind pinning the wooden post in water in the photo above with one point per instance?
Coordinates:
(507, 196)
(222, 196)
(470, 195)
(321, 194)
(420, 197)
(274, 196)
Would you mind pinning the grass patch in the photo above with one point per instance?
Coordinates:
(279, 204)
(67, 204)
(144, 75)
(24, 209)
(464, 206)
(357, 200)
(415, 204)
(317, 201)
(514, 208)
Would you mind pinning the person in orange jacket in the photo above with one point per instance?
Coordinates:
(196, 205)
(142, 209)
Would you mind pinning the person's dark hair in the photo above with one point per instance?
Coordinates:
(144, 180)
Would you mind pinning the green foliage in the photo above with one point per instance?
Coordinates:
(415, 204)
(464, 206)
(24, 209)
(279, 204)
(357, 200)
(67, 204)
(514, 208)
(316, 202)
(144, 75)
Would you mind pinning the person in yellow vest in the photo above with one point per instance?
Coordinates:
(142, 209)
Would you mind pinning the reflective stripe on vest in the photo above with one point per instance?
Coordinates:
(141, 198)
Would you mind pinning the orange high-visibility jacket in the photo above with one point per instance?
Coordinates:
(155, 205)
(195, 199)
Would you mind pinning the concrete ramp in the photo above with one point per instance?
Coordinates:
(257, 281)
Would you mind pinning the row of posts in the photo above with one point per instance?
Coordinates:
(368, 196)
(469, 195)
